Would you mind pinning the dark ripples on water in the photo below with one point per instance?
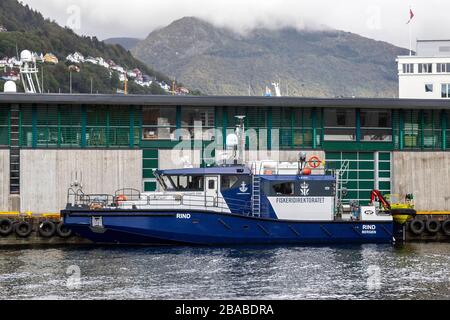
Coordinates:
(417, 271)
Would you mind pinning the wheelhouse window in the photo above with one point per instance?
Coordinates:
(284, 189)
(159, 123)
(185, 183)
(425, 67)
(197, 123)
(228, 182)
(340, 124)
(408, 68)
(376, 125)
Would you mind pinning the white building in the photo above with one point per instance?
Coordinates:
(75, 58)
(426, 75)
(91, 60)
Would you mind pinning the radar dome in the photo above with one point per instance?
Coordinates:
(26, 56)
(10, 87)
(232, 140)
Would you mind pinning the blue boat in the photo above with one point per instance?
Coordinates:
(236, 203)
(228, 205)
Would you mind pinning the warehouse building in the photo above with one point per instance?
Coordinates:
(110, 142)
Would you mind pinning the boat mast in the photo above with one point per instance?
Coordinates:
(240, 132)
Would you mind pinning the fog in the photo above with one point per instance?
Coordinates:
(378, 19)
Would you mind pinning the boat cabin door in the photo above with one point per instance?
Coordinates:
(212, 191)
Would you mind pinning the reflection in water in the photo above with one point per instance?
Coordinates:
(413, 271)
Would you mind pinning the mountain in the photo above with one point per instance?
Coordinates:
(127, 43)
(27, 29)
(326, 63)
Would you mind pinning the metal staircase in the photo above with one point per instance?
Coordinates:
(256, 196)
(14, 155)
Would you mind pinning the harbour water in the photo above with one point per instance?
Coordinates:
(412, 271)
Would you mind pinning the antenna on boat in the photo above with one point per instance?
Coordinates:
(301, 162)
(75, 183)
(236, 143)
(240, 132)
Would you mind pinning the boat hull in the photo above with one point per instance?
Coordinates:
(212, 229)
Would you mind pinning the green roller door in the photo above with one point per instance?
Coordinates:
(4, 126)
(367, 171)
(150, 163)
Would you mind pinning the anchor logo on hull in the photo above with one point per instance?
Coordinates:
(243, 187)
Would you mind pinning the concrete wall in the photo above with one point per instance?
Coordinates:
(426, 175)
(46, 175)
(4, 180)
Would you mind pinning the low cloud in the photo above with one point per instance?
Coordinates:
(378, 19)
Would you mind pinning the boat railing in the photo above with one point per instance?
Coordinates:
(279, 168)
(126, 199)
(77, 198)
(196, 201)
(128, 194)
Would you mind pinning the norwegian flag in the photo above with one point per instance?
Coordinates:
(411, 16)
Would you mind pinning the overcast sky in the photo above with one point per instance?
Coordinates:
(378, 19)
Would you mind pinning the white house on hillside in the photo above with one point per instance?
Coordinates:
(426, 75)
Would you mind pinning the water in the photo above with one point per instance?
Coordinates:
(413, 271)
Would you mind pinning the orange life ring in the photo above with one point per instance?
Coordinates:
(121, 198)
(314, 162)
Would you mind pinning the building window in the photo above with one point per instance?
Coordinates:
(70, 126)
(197, 121)
(408, 68)
(432, 131)
(340, 124)
(443, 67)
(47, 126)
(376, 125)
(445, 90)
(110, 127)
(425, 67)
(411, 130)
(298, 127)
(428, 88)
(159, 123)
(422, 129)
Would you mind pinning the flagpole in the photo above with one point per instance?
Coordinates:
(410, 39)
(410, 32)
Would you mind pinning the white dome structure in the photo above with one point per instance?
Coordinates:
(10, 87)
(232, 140)
(26, 56)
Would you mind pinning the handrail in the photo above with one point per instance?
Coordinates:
(258, 167)
(105, 201)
